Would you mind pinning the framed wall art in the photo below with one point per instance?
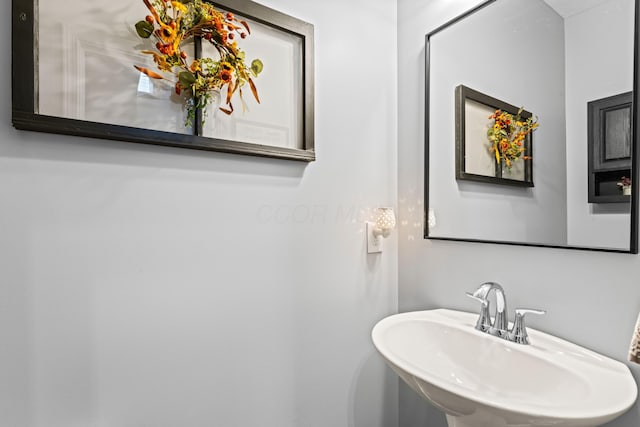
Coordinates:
(225, 75)
(493, 140)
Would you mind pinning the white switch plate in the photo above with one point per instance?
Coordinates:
(374, 244)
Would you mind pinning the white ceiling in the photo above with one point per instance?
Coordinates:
(566, 8)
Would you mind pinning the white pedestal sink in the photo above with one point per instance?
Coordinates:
(480, 380)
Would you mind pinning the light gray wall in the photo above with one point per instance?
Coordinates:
(150, 286)
(592, 298)
(477, 55)
(595, 76)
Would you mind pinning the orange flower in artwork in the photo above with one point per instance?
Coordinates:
(225, 76)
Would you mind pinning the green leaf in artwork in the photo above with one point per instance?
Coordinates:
(144, 29)
(256, 67)
(186, 79)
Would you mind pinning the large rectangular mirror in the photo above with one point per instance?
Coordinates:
(572, 65)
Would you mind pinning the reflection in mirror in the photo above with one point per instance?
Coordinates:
(554, 58)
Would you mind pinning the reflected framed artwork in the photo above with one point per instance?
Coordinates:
(493, 140)
(227, 75)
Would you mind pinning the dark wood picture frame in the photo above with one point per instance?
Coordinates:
(609, 136)
(25, 114)
(463, 96)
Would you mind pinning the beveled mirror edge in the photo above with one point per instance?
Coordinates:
(633, 238)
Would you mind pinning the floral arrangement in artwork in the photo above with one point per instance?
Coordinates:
(174, 23)
(506, 136)
(624, 184)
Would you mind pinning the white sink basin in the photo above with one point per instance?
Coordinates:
(480, 380)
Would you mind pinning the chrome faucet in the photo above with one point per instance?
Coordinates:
(500, 325)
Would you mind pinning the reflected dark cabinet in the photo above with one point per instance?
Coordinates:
(609, 138)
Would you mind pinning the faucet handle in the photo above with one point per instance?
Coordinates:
(480, 300)
(484, 320)
(518, 333)
(523, 311)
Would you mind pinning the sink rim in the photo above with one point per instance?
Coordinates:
(544, 346)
